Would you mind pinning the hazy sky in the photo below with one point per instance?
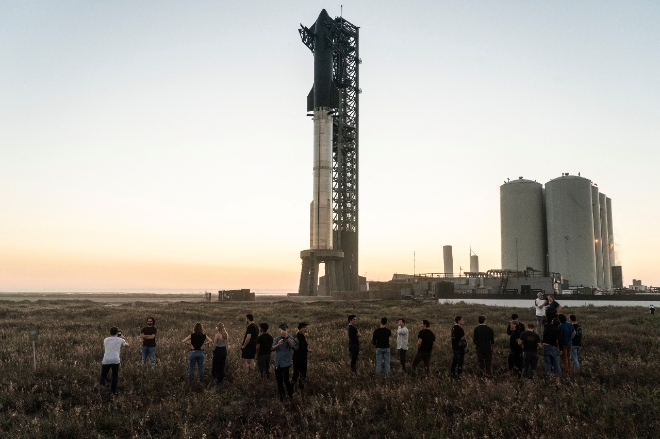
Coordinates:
(165, 144)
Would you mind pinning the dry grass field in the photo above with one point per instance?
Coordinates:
(616, 394)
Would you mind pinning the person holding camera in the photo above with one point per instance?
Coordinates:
(111, 358)
(283, 345)
(458, 345)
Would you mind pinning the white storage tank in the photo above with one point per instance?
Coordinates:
(448, 259)
(610, 232)
(522, 225)
(607, 265)
(570, 224)
(474, 263)
(598, 241)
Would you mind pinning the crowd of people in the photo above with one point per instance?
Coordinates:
(559, 338)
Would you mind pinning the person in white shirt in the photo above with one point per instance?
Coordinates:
(539, 305)
(402, 342)
(113, 345)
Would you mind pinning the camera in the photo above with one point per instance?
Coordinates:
(118, 333)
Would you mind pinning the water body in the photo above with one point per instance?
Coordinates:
(565, 303)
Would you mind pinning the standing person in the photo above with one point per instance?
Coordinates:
(515, 348)
(264, 346)
(519, 326)
(565, 342)
(425, 345)
(530, 342)
(249, 346)
(196, 342)
(353, 341)
(552, 308)
(458, 345)
(551, 348)
(219, 353)
(300, 356)
(539, 305)
(283, 345)
(402, 342)
(652, 309)
(381, 339)
(111, 358)
(148, 336)
(484, 339)
(577, 342)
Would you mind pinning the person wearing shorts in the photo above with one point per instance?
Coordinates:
(249, 346)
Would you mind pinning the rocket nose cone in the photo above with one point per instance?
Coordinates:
(323, 15)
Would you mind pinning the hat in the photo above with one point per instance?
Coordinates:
(302, 325)
(539, 294)
(284, 327)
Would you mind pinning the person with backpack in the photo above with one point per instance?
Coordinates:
(577, 343)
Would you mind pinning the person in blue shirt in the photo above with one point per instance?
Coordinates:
(284, 345)
(566, 334)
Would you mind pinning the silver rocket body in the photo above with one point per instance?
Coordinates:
(321, 206)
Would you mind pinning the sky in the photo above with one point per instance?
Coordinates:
(165, 145)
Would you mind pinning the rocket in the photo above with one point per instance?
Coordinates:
(323, 101)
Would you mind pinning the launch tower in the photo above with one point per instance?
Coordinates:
(333, 105)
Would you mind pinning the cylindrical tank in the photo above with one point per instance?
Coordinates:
(522, 225)
(598, 241)
(474, 263)
(610, 233)
(607, 265)
(570, 223)
(448, 259)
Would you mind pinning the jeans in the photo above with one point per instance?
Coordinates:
(196, 357)
(282, 377)
(422, 356)
(540, 325)
(263, 361)
(383, 355)
(575, 354)
(457, 362)
(354, 351)
(551, 358)
(530, 361)
(485, 360)
(402, 358)
(149, 352)
(218, 365)
(105, 368)
(299, 371)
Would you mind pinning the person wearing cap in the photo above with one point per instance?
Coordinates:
(284, 345)
(300, 357)
(539, 305)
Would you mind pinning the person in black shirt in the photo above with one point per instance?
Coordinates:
(551, 347)
(520, 326)
(458, 344)
(425, 344)
(381, 339)
(353, 341)
(148, 336)
(530, 341)
(264, 344)
(483, 339)
(515, 350)
(196, 342)
(577, 342)
(300, 356)
(249, 346)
